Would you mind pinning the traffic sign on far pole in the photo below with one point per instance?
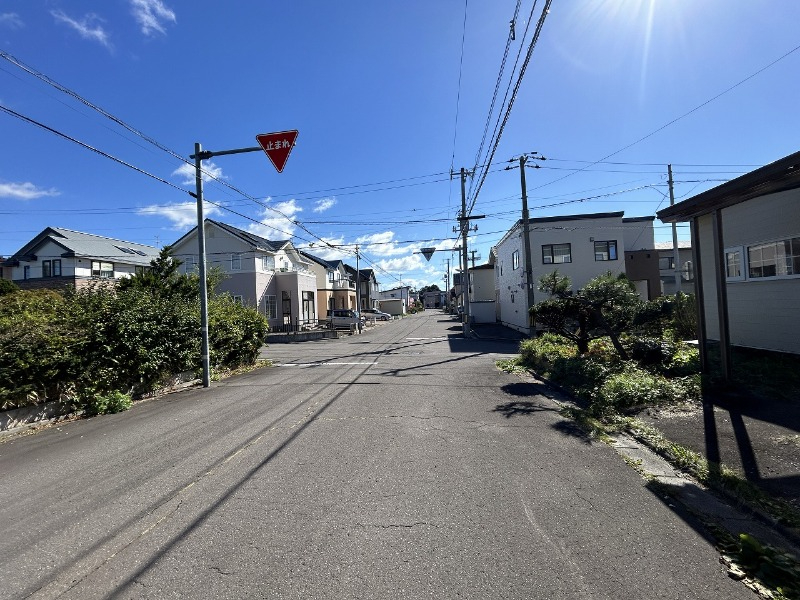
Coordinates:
(278, 146)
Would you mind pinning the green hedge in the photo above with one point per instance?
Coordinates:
(103, 342)
(666, 372)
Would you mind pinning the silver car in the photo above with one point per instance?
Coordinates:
(373, 313)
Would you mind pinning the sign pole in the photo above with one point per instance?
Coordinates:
(201, 251)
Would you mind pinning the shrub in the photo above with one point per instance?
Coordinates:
(635, 387)
(236, 332)
(106, 404)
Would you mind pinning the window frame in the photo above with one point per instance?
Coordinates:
(271, 302)
(47, 268)
(552, 255)
(735, 250)
(515, 260)
(56, 268)
(236, 261)
(266, 259)
(100, 272)
(609, 245)
(790, 261)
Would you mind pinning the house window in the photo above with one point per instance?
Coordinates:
(331, 276)
(188, 265)
(236, 261)
(47, 269)
(605, 250)
(556, 254)
(102, 269)
(56, 268)
(238, 299)
(515, 260)
(26, 272)
(733, 264)
(666, 263)
(774, 259)
(268, 263)
(271, 307)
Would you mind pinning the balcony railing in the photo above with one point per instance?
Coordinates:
(343, 284)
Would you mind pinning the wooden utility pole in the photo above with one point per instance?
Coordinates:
(526, 242)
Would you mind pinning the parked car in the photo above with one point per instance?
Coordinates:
(344, 317)
(374, 313)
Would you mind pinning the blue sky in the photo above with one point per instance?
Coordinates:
(386, 105)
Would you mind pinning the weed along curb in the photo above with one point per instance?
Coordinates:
(738, 527)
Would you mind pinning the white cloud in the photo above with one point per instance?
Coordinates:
(11, 20)
(152, 15)
(188, 173)
(25, 191)
(274, 226)
(183, 215)
(86, 27)
(324, 204)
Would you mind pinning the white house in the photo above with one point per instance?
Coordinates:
(666, 267)
(58, 258)
(388, 298)
(746, 256)
(272, 277)
(482, 295)
(579, 246)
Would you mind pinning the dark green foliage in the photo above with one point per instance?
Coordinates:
(605, 306)
(100, 344)
(668, 316)
(7, 287)
(609, 384)
(236, 333)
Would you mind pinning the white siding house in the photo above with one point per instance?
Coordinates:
(60, 257)
(270, 276)
(579, 246)
(746, 256)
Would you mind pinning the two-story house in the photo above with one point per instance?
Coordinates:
(335, 288)
(271, 276)
(667, 264)
(58, 258)
(578, 246)
(369, 286)
(395, 301)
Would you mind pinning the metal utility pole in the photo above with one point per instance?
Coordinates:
(201, 250)
(675, 252)
(358, 282)
(526, 241)
(464, 222)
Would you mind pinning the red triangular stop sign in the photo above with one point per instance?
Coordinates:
(278, 146)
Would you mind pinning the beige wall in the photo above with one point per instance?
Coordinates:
(762, 313)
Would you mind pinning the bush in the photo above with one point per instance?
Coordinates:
(236, 332)
(112, 402)
(635, 387)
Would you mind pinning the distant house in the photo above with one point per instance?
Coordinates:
(578, 246)
(434, 299)
(335, 288)
(369, 286)
(58, 258)
(482, 295)
(666, 267)
(746, 256)
(388, 300)
(271, 276)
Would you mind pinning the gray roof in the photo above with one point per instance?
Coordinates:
(88, 245)
(251, 238)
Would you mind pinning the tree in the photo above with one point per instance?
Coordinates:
(7, 287)
(428, 288)
(606, 305)
(163, 278)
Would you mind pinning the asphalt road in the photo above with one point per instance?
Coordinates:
(395, 464)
